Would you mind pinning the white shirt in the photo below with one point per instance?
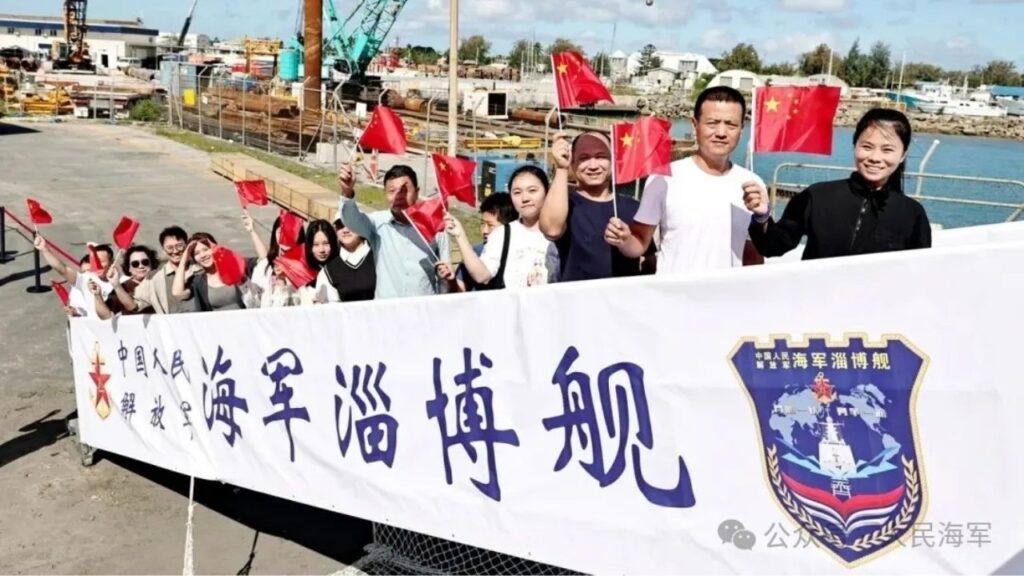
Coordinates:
(81, 299)
(532, 258)
(703, 222)
(266, 291)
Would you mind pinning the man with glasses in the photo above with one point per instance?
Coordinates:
(155, 292)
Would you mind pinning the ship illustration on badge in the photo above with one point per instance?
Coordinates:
(98, 394)
(839, 437)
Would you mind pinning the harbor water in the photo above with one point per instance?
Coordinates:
(954, 156)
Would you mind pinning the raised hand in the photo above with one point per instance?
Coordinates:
(347, 180)
(755, 198)
(561, 151)
(454, 227)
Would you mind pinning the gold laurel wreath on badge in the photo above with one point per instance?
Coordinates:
(881, 536)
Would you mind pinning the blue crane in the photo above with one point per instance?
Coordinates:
(350, 46)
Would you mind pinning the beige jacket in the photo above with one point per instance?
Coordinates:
(153, 290)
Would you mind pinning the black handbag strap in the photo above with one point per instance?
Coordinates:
(498, 281)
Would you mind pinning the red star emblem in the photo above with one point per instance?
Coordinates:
(823, 389)
(100, 379)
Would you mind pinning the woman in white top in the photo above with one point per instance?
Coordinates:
(348, 272)
(270, 287)
(516, 255)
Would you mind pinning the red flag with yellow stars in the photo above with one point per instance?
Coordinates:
(428, 217)
(795, 119)
(385, 132)
(642, 148)
(455, 178)
(576, 83)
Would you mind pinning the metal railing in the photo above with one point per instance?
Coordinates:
(944, 188)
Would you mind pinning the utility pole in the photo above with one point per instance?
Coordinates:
(313, 45)
(453, 78)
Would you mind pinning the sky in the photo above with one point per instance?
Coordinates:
(954, 34)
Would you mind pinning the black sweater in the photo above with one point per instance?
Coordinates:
(844, 218)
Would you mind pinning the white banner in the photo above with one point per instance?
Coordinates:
(807, 418)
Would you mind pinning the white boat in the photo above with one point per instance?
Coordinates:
(973, 108)
(932, 107)
(1013, 107)
(1011, 98)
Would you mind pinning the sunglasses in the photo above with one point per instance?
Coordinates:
(139, 263)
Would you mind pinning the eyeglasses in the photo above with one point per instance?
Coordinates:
(139, 263)
(174, 249)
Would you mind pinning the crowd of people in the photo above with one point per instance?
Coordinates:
(708, 214)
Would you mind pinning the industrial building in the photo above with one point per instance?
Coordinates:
(109, 41)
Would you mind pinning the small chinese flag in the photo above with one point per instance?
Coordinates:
(230, 266)
(125, 232)
(795, 119)
(295, 267)
(428, 217)
(37, 214)
(642, 148)
(385, 132)
(455, 178)
(94, 259)
(61, 292)
(252, 192)
(576, 83)
(288, 230)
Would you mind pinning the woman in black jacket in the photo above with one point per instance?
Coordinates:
(863, 214)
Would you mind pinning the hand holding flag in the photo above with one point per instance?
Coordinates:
(455, 178)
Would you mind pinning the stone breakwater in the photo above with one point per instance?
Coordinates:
(1010, 127)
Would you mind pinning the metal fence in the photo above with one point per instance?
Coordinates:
(950, 200)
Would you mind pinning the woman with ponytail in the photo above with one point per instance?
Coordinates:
(863, 214)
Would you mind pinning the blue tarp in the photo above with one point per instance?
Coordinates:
(1011, 91)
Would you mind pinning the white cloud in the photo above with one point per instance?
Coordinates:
(813, 5)
(788, 47)
(716, 40)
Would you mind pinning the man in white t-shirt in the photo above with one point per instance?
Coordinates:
(699, 209)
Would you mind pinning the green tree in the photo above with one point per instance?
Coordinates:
(919, 71)
(1000, 73)
(855, 66)
(475, 48)
(780, 69)
(878, 66)
(648, 60)
(816, 61)
(601, 64)
(563, 45)
(520, 54)
(743, 56)
(420, 55)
